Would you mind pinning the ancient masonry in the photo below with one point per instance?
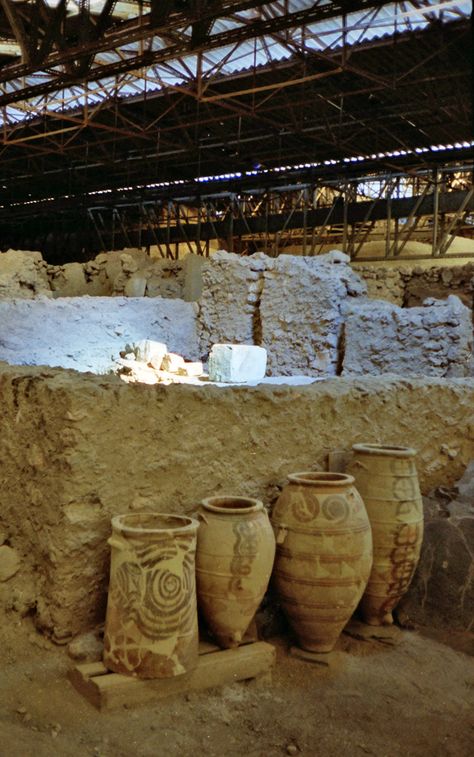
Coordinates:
(308, 312)
(434, 340)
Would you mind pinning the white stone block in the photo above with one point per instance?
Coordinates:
(151, 352)
(172, 362)
(235, 363)
(191, 369)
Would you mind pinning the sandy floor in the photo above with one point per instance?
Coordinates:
(414, 698)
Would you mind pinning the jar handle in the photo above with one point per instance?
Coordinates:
(201, 516)
(359, 464)
(117, 543)
(281, 534)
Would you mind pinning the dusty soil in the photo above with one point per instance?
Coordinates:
(415, 698)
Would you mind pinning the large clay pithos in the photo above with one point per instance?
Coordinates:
(387, 480)
(324, 555)
(234, 560)
(151, 628)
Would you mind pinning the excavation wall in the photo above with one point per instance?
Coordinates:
(76, 449)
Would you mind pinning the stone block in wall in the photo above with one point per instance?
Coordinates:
(70, 281)
(23, 273)
(88, 333)
(433, 340)
(442, 592)
(135, 286)
(301, 312)
(228, 308)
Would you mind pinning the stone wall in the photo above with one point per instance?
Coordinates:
(410, 285)
(129, 273)
(88, 333)
(76, 449)
(439, 282)
(383, 283)
(435, 340)
(231, 288)
(23, 275)
(301, 312)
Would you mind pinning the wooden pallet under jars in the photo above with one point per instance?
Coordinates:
(216, 667)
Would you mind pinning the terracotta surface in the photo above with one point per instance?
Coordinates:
(387, 479)
(151, 623)
(234, 560)
(324, 555)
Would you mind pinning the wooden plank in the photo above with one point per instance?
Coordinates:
(109, 690)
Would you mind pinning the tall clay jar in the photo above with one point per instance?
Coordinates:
(151, 628)
(324, 555)
(234, 560)
(387, 480)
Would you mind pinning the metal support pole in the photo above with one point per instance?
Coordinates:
(434, 243)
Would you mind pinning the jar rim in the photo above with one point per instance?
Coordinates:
(389, 450)
(154, 523)
(232, 504)
(326, 478)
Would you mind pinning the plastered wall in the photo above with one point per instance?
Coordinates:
(76, 449)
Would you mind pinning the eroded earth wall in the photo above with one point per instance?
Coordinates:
(76, 449)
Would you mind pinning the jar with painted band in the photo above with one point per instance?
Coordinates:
(234, 560)
(324, 555)
(151, 628)
(387, 479)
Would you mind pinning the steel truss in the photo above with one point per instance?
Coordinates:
(432, 206)
(98, 106)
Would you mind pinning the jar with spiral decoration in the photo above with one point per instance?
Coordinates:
(387, 479)
(151, 628)
(324, 555)
(234, 560)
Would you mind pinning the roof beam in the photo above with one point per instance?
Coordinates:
(144, 30)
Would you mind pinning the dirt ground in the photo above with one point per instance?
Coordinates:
(414, 697)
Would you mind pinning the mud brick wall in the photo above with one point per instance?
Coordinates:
(76, 449)
(290, 305)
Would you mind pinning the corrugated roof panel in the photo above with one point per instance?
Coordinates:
(361, 26)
